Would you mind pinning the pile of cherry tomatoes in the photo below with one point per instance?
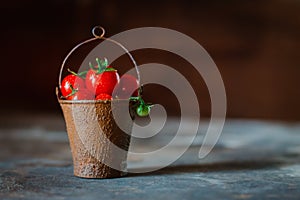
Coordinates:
(102, 82)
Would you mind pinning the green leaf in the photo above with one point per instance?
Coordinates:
(109, 69)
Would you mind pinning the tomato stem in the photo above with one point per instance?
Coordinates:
(99, 64)
(72, 93)
(72, 72)
(102, 64)
(91, 65)
(80, 74)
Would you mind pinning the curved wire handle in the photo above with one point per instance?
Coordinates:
(101, 36)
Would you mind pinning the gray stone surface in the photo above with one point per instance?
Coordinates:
(253, 160)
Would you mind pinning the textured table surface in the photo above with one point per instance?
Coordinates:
(252, 160)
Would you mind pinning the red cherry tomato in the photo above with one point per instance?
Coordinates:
(103, 96)
(127, 87)
(69, 82)
(82, 94)
(101, 83)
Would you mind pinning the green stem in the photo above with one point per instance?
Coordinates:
(99, 64)
(80, 74)
(135, 98)
(72, 93)
(72, 72)
(102, 65)
(91, 66)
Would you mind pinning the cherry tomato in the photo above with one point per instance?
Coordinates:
(103, 96)
(70, 83)
(101, 83)
(143, 110)
(127, 87)
(82, 94)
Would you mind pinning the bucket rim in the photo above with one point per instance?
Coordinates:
(92, 101)
(63, 101)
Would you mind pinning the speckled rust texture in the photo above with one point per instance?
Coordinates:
(89, 125)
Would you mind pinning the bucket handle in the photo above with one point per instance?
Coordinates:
(96, 37)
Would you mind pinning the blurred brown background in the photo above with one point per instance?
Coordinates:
(254, 43)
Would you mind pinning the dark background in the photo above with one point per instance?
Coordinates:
(255, 45)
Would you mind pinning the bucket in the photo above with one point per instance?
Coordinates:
(99, 146)
(92, 133)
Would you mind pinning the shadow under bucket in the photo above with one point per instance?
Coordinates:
(97, 143)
